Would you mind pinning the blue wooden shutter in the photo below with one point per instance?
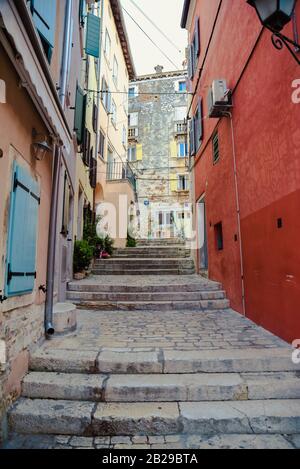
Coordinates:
(92, 46)
(44, 17)
(22, 236)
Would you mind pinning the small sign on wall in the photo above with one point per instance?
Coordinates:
(2, 92)
(2, 354)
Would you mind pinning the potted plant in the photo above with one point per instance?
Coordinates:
(83, 254)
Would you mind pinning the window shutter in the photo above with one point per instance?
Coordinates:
(86, 147)
(197, 37)
(139, 152)
(190, 63)
(95, 117)
(174, 182)
(22, 235)
(200, 123)
(192, 136)
(92, 45)
(93, 172)
(44, 17)
(173, 149)
(79, 114)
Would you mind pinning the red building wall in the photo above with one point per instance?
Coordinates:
(266, 127)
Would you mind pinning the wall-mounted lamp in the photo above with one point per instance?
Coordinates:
(40, 145)
(274, 15)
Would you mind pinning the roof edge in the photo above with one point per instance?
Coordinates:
(185, 13)
(123, 36)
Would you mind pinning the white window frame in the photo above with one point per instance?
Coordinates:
(113, 112)
(115, 71)
(180, 113)
(107, 45)
(135, 92)
(124, 135)
(133, 116)
(179, 179)
(179, 148)
(177, 84)
(129, 154)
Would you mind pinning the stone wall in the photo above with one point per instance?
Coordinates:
(157, 164)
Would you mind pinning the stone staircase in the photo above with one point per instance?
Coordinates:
(162, 392)
(153, 257)
(79, 394)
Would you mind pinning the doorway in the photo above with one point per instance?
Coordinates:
(202, 235)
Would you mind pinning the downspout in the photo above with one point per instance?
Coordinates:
(49, 328)
(98, 93)
(238, 209)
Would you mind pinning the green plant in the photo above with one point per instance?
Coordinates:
(131, 242)
(83, 254)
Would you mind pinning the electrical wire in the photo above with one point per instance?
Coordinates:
(147, 35)
(176, 93)
(156, 27)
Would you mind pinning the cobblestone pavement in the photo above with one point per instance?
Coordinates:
(166, 442)
(175, 330)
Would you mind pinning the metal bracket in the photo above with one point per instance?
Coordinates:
(2, 298)
(280, 40)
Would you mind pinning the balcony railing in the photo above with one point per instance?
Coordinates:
(181, 128)
(133, 132)
(118, 171)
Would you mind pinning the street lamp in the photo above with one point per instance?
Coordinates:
(274, 15)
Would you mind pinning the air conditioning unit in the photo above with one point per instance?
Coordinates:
(219, 99)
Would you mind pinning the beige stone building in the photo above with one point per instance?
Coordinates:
(158, 152)
(115, 181)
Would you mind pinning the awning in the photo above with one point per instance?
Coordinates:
(32, 74)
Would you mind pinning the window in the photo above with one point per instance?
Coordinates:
(182, 149)
(80, 105)
(198, 134)
(95, 118)
(132, 153)
(107, 45)
(133, 119)
(66, 208)
(124, 135)
(22, 233)
(106, 95)
(180, 113)
(194, 51)
(133, 92)
(215, 145)
(219, 236)
(181, 86)
(115, 71)
(183, 182)
(114, 113)
(44, 18)
(101, 144)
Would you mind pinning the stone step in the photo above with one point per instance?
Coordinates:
(101, 287)
(160, 242)
(164, 252)
(143, 263)
(163, 442)
(199, 305)
(61, 417)
(132, 297)
(119, 271)
(161, 388)
(122, 361)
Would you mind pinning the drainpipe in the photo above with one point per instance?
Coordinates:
(98, 92)
(238, 212)
(57, 156)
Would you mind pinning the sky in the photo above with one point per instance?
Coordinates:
(166, 14)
